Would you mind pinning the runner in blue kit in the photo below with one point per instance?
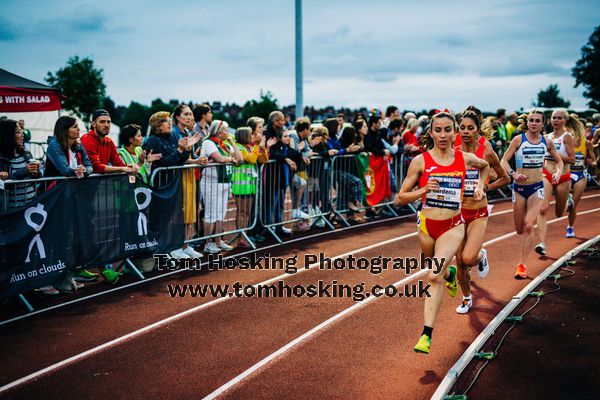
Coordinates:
(529, 149)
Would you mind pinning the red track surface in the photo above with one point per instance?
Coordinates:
(366, 354)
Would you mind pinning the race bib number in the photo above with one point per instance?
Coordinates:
(533, 157)
(579, 159)
(471, 182)
(449, 193)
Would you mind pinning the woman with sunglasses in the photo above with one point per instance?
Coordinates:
(440, 173)
(529, 149)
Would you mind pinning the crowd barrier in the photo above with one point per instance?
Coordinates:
(104, 219)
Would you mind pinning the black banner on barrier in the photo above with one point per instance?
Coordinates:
(86, 222)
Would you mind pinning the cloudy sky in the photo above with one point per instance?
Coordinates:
(414, 54)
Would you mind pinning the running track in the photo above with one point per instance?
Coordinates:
(140, 343)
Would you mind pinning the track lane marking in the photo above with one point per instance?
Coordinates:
(165, 321)
(280, 353)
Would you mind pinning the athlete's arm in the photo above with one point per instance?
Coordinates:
(508, 154)
(503, 178)
(570, 149)
(472, 161)
(407, 194)
(558, 159)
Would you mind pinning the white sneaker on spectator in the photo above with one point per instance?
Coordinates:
(78, 285)
(212, 248)
(299, 214)
(286, 230)
(224, 246)
(320, 223)
(179, 253)
(49, 290)
(192, 253)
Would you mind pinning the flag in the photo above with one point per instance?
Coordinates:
(374, 171)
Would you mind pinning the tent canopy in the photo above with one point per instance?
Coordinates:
(18, 94)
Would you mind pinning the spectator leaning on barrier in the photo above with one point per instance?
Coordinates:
(299, 142)
(216, 182)
(173, 152)
(409, 138)
(253, 150)
(16, 162)
(288, 161)
(100, 148)
(374, 144)
(130, 139)
(66, 157)
(203, 116)
(182, 119)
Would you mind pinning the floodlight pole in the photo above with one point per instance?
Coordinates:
(299, 105)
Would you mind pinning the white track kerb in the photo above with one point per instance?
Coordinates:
(122, 339)
(464, 360)
(280, 353)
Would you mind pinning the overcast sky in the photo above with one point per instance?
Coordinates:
(414, 54)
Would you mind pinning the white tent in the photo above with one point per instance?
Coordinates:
(41, 124)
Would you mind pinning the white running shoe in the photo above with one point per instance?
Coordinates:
(541, 249)
(192, 253)
(212, 248)
(466, 305)
(483, 268)
(179, 253)
(48, 290)
(299, 214)
(224, 246)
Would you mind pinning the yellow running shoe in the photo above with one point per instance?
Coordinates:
(423, 345)
(451, 283)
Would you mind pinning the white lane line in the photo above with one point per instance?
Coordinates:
(158, 324)
(279, 353)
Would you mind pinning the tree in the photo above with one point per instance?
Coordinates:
(137, 114)
(550, 97)
(109, 105)
(261, 108)
(82, 84)
(587, 69)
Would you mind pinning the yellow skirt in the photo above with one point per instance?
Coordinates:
(190, 214)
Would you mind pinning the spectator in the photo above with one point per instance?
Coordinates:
(374, 144)
(16, 162)
(276, 122)
(67, 157)
(130, 139)
(182, 119)
(299, 142)
(287, 160)
(349, 186)
(216, 182)
(500, 135)
(341, 119)
(203, 116)
(409, 138)
(253, 151)
(391, 113)
(511, 126)
(408, 116)
(333, 128)
(172, 153)
(26, 132)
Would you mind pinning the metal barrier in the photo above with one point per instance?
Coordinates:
(310, 189)
(227, 207)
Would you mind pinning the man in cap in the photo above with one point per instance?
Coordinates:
(100, 148)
